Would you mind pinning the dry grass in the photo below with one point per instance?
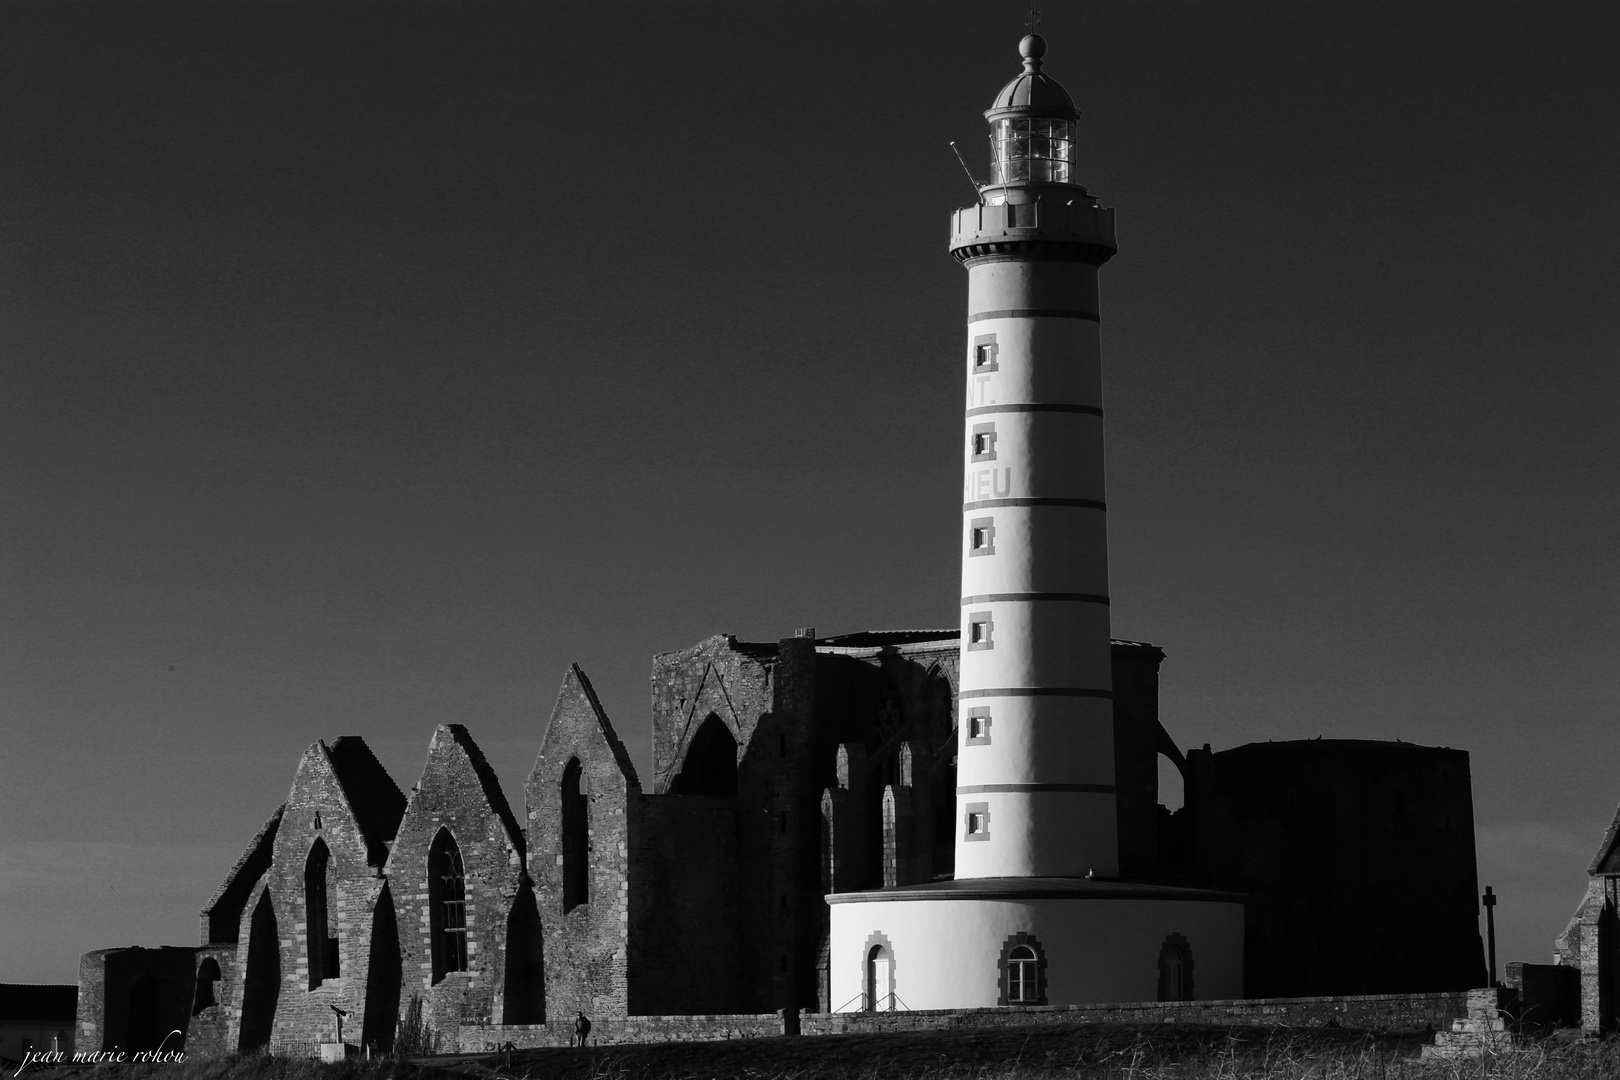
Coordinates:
(1046, 1053)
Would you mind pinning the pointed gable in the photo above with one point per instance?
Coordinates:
(343, 793)
(454, 775)
(579, 727)
(719, 676)
(1607, 859)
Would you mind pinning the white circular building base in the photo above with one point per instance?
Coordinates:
(980, 943)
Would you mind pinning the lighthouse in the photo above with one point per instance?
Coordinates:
(1036, 756)
(1035, 913)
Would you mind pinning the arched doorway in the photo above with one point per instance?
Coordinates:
(879, 979)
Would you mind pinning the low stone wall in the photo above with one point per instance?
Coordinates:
(1371, 1012)
(488, 1038)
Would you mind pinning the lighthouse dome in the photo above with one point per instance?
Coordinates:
(1032, 93)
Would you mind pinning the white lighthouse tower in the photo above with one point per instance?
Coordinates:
(1036, 759)
(1035, 914)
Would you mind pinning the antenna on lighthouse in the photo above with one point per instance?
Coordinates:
(967, 170)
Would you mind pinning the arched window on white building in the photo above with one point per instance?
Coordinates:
(1175, 969)
(1022, 971)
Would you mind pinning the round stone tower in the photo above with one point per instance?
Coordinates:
(1036, 753)
(1035, 913)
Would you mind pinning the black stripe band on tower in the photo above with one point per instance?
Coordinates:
(1088, 789)
(1036, 691)
(999, 597)
(1035, 313)
(1085, 504)
(1089, 410)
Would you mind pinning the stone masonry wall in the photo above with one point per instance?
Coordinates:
(630, 1029)
(457, 792)
(586, 948)
(1375, 1012)
(319, 808)
(132, 998)
(209, 1032)
(683, 906)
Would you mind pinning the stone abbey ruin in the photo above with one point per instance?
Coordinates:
(781, 772)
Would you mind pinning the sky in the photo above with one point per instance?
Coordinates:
(364, 365)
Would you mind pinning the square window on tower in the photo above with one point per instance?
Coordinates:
(976, 823)
(984, 354)
(978, 726)
(984, 442)
(982, 536)
(980, 627)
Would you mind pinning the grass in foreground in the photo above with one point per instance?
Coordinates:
(1044, 1053)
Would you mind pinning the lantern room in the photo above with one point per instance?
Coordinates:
(1032, 126)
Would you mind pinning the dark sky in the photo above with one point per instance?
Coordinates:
(363, 365)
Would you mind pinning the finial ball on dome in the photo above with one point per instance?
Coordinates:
(1032, 47)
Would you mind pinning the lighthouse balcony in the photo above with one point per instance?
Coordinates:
(1056, 224)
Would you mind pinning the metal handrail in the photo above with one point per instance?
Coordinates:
(860, 997)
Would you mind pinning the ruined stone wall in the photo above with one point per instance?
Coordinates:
(208, 1033)
(133, 998)
(628, 1029)
(457, 793)
(586, 945)
(1359, 857)
(222, 917)
(684, 907)
(319, 808)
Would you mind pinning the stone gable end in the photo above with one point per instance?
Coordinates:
(457, 794)
(586, 944)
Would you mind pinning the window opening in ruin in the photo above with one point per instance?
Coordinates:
(1175, 969)
(879, 979)
(576, 873)
(710, 766)
(321, 947)
(207, 976)
(447, 906)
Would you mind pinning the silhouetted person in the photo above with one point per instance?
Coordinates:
(582, 1028)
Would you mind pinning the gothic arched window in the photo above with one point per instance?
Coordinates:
(322, 948)
(447, 906)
